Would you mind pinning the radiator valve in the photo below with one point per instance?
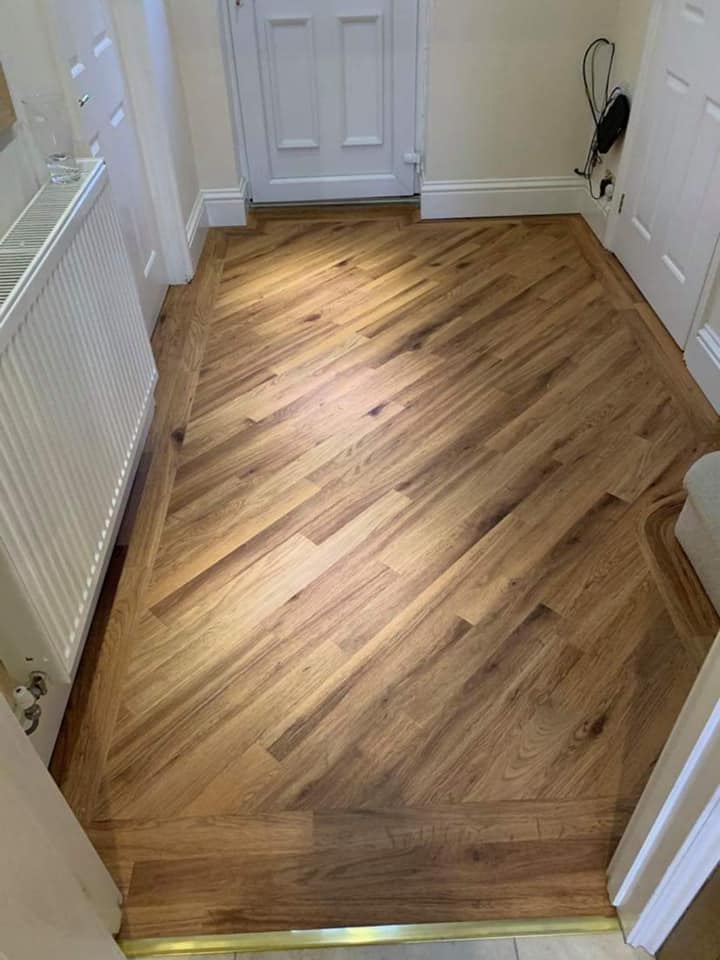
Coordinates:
(27, 705)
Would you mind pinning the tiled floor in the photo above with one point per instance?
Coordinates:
(607, 946)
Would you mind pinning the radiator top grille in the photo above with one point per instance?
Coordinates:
(32, 232)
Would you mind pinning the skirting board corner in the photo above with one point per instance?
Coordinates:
(196, 231)
(226, 207)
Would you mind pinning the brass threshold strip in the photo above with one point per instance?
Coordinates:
(365, 936)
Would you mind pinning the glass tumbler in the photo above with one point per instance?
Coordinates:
(50, 124)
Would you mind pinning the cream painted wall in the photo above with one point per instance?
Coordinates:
(30, 68)
(629, 34)
(505, 95)
(196, 34)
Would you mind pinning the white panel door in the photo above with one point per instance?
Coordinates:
(670, 220)
(328, 96)
(86, 45)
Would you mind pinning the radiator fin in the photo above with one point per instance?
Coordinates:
(76, 382)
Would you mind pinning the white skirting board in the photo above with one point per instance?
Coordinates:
(196, 231)
(448, 199)
(225, 207)
(702, 356)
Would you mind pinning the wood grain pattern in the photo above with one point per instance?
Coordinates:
(698, 933)
(81, 751)
(693, 614)
(401, 656)
(7, 110)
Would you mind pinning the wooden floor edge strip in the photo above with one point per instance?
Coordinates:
(80, 754)
(366, 936)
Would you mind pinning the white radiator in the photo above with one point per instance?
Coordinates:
(76, 397)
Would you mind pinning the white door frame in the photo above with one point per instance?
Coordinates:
(224, 13)
(672, 843)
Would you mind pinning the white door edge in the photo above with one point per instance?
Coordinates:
(422, 85)
(672, 843)
(631, 142)
(230, 56)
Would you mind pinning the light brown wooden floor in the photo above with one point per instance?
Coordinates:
(402, 656)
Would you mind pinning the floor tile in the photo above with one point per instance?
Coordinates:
(605, 946)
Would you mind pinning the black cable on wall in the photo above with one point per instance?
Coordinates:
(599, 105)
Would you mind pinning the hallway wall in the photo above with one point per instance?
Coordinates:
(505, 98)
(629, 33)
(29, 67)
(504, 101)
(153, 64)
(505, 95)
(198, 47)
(160, 116)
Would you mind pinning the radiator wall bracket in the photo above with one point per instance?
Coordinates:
(27, 701)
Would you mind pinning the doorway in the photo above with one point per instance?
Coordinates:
(84, 36)
(328, 98)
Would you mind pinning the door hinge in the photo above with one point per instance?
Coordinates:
(621, 204)
(414, 158)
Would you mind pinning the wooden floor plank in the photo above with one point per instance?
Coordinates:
(404, 639)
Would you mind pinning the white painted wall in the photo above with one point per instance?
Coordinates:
(30, 68)
(198, 46)
(505, 95)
